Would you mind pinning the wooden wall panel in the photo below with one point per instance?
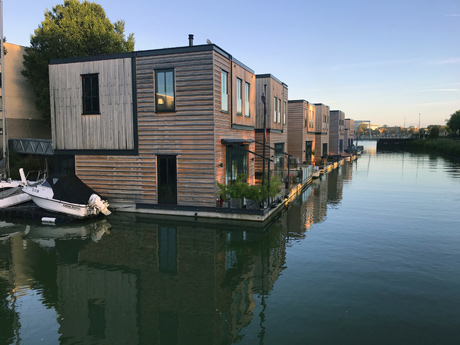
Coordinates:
(113, 128)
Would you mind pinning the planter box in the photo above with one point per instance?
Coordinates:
(236, 203)
(252, 204)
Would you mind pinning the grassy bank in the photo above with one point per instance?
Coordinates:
(447, 147)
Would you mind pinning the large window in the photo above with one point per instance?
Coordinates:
(165, 95)
(246, 99)
(236, 163)
(279, 159)
(224, 87)
(239, 96)
(90, 93)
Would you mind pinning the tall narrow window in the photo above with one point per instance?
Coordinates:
(279, 110)
(284, 112)
(246, 99)
(311, 119)
(165, 95)
(239, 96)
(305, 117)
(224, 87)
(90, 93)
(275, 106)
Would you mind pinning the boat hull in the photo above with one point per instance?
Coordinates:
(58, 206)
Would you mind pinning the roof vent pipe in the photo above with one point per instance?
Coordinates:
(190, 40)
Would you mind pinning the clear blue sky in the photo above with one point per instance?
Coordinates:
(384, 61)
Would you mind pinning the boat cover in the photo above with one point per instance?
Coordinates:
(71, 189)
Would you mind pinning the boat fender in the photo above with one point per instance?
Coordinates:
(102, 206)
(48, 220)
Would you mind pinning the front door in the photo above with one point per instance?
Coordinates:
(167, 180)
(308, 150)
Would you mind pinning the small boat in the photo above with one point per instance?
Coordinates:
(11, 193)
(67, 195)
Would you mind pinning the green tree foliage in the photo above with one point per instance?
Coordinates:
(70, 30)
(433, 131)
(454, 122)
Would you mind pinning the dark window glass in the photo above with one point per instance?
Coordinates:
(165, 95)
(279, 157)
(90, 93)
(236, 162)
(167, 249)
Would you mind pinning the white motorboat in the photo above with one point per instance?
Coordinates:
(11, 193)
(67, 195)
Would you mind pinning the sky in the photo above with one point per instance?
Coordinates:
(392, 62)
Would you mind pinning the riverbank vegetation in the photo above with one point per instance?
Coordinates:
(444, 146)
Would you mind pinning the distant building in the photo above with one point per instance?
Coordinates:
(302, 124)
(276, 123)
(337, 132)
(23, 120)
(349, 133)
(322, 131)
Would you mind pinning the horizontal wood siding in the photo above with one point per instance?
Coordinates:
(223, 120)
(297, 130)
(112, 129)
(187, 133)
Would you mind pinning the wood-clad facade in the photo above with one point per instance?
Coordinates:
(322, 131)
(349, 135)
(302, 129)
(168, 121)
(337, 132)
(276, 123)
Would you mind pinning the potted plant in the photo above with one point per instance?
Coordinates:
(223, 194)
(253, 197)
(237, 190)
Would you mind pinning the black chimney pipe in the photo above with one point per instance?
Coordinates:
(190, 40)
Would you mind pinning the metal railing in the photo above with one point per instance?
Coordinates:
(32, 146)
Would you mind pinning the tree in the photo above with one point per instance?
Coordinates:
(454, 122)
(433, 131)
(70, 30)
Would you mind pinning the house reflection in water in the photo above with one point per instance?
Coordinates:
(167, 283)
(140, 280)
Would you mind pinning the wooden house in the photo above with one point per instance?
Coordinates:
(349, 135)
(156, 127)
(322, 131)
(337, 132)
(302, 129)
(273, 125)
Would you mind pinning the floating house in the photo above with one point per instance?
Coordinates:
(349, 134)
(302, 129)
(337, 132)
(158, 127)
(322, 131)
(271, 123)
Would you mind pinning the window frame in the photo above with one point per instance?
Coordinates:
(247, 103)
(92, 98)
(239, 96)
(222, 89)
(157, 72)
(275, 107)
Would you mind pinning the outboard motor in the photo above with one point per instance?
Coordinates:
(102, 206)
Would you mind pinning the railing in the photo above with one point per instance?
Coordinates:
(32, 146)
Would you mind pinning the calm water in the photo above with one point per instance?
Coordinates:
(368, 255)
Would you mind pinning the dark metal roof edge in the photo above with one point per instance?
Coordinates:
(299, 101)
(268, 75)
